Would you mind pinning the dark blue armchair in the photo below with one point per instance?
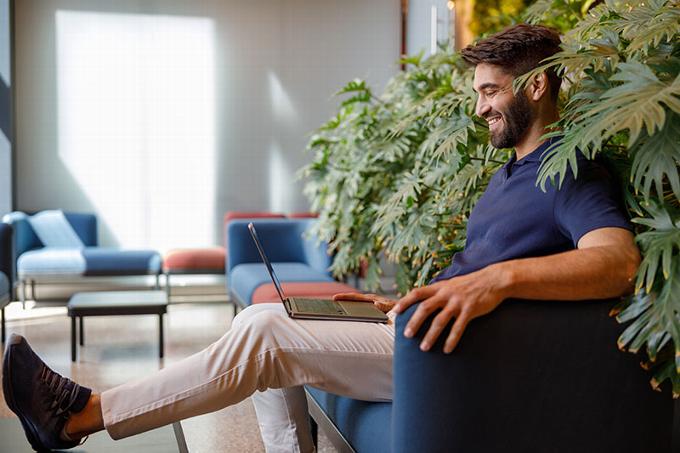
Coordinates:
(529, 377)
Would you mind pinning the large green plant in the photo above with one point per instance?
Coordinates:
(398, 174)
(622, 65)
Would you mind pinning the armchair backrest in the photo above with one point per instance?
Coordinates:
(530, 376)
(25, 239)
(234, 215)
(284, 240)
(6, 261)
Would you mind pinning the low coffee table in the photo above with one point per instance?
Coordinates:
(116, 303)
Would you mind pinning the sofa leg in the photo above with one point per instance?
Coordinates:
(22, 293)
(33, 298)
(167, 285)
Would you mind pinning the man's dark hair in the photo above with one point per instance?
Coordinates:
(518, 50)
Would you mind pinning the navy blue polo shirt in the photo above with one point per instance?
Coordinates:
(514, 218)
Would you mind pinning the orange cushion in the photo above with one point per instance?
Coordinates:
(208, 259)
(267, 292)
(303, 215)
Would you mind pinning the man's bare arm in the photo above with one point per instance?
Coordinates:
(603, 266)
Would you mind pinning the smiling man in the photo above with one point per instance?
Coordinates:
(569, 244)
(574, 243)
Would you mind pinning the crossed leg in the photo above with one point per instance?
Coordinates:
(264, 349)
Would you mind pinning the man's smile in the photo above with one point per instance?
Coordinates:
(494, 121)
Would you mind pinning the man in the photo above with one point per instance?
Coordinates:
(571, 244)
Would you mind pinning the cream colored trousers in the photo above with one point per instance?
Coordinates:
(264, 350)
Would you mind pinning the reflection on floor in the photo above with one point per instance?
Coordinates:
(119, 349)
(161, 440)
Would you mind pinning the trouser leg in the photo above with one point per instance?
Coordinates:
(264, 349)
(284, 420)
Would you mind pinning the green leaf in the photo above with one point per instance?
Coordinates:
(657, 158)
(638, 102)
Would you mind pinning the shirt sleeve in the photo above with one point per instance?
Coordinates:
(589, 202)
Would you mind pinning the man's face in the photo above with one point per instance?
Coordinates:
(509, 116)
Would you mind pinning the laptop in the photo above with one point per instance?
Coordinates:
(302, 308)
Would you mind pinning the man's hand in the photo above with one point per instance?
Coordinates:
(383, 303)
(465, 298)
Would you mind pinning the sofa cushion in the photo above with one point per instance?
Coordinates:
(202, 260)
(109, 262)
(50, 261)
(267, 292)
(365, 425)
(53, 230)
(245, 278)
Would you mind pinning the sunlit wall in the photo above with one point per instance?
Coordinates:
(136, 122)
(162, 115)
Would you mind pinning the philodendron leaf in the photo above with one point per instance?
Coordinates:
(658, 245)
(656, 160)
(638, 304)
(638, 102)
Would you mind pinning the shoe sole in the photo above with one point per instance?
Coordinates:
(29, 429)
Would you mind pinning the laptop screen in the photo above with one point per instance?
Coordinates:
(270, 269)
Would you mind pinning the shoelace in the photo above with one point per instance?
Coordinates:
(64, 397)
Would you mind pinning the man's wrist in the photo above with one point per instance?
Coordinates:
(504, 278)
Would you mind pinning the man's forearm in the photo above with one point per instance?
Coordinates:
(591, 273)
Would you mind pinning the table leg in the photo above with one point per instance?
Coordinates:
(73, 338)
(82, 331)
(2, 313)
(160, 336)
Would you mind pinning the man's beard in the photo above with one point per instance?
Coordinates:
(516, 120)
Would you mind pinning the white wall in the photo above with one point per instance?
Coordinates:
(161, 132)
(5, 111)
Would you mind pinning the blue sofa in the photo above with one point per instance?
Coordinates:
(529, 377)
(34, 261)
(5, 273)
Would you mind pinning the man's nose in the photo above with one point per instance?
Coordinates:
(482, 107)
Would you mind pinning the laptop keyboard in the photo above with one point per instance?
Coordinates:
(320, 306)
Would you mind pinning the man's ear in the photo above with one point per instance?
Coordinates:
(537, 86)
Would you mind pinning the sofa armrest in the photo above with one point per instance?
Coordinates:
(6, 255)
(283, 241)
(530, 376)
(24, 238)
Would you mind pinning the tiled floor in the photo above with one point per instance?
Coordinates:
(122, 348)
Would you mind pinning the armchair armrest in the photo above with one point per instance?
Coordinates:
(283, 241)
(530, 376)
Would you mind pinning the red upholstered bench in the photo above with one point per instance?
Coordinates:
(195, 261)
(198, 261)
(267, 292)
(209, 261)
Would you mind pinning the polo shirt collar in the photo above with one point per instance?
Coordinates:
(534, 156)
